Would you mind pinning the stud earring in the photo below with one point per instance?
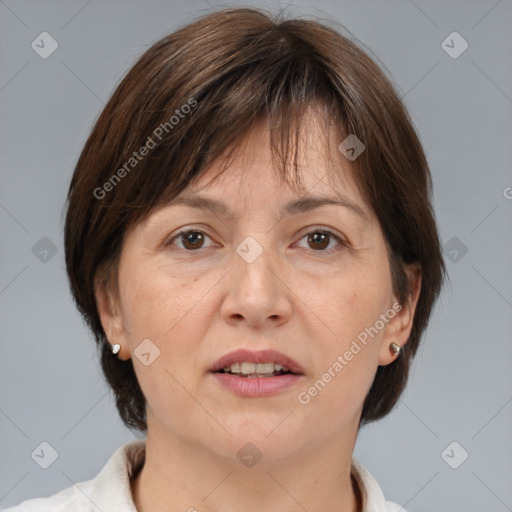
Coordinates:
(116, 348)
(395, 349)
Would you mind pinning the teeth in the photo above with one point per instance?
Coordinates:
(265, 368)
(252, 368)
(249, 368)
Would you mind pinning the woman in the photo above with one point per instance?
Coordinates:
(249, 236)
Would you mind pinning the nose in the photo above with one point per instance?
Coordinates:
(257, 293)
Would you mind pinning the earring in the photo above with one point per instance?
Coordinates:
(116, 348)
(395, 349)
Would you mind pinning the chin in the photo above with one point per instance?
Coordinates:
(268, 433)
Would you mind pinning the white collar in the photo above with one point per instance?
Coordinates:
(110, 489)
(112, 484)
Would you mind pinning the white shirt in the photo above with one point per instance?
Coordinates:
(110, 490)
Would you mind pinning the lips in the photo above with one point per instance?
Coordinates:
(259, 357)
(250, 385)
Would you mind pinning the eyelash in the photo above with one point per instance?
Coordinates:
(341, 242)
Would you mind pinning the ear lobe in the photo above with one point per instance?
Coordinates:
(399, 327)
(110, 318)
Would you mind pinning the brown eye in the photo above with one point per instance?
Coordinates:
(192, 239)
(318, 240)
(189, 240)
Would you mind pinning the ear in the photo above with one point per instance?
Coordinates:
(399, 327)
(110, 318)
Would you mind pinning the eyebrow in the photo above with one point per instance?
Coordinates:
(294, 207)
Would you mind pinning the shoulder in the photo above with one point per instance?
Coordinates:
(67, 499)
(372, 495)
(109, 490)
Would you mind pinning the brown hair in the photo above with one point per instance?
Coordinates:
(191, 97)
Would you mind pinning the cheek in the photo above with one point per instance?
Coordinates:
(345, 305)
(347, 358)
(349, 343)
(157, 301)
(335, 399)
(174, 314)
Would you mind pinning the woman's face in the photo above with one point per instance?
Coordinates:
(258, 281)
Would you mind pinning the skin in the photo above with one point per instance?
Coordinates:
(305, 298)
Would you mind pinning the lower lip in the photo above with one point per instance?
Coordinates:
(256, 386)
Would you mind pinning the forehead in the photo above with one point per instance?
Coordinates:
(249, 174)
(311, 160)
(227, 188)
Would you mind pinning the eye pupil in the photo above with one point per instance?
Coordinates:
(322, 238)
(192, 238)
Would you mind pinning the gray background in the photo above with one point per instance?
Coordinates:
(460, 390)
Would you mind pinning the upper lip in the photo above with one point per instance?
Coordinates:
(261, 356)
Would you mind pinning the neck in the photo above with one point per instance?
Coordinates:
(180, 476)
